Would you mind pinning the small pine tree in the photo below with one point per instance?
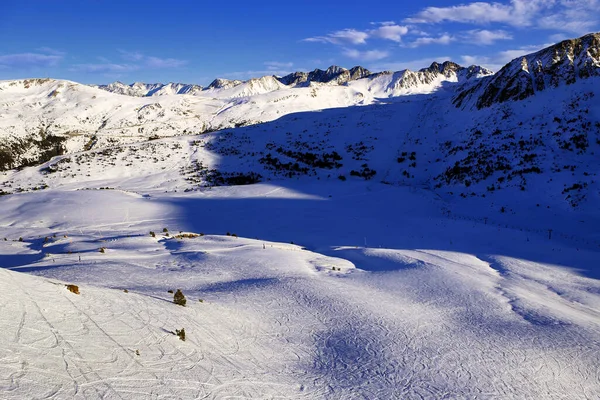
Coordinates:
(179, 298)
(180, 333)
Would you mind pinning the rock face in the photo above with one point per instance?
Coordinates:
(561, 64)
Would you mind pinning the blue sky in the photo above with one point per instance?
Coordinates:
(94, 41)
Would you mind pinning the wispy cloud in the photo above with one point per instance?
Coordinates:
(278, 64)
(427, 40)
(386, 31)
(368, 55)
(131, 55)
(486, 37)
(576, 16)
(156, 62)
(105, 68)
(384, 23)
(499, 59)
(51, 50)
(389, 32)
(470, 13)
(345, 36)
(42, 58)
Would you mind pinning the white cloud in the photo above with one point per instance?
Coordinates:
(131, 55)
(476, 36)
(506, 56)
(577, 16)
(278, 65)
(156, 62)
(384, 23)
(386, 31)
(496, 61)
(369, 55)
(390, 32)
(427, 40)
(345, 36)
(478, 12)
(486, 37)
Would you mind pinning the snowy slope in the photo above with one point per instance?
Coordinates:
(419, 306)
(542, 150)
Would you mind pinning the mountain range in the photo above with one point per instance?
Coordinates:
(333, 75)
(439, 112)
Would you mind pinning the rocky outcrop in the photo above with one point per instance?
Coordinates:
(561, 64)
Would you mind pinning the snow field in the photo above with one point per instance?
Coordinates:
(449, 319)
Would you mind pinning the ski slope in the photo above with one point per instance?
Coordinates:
(420, 306)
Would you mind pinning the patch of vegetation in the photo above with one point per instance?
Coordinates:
(73, 288)
(366, 172)
(179, 298)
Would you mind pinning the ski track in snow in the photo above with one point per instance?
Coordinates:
(279, 321)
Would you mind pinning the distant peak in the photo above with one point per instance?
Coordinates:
(221, 83)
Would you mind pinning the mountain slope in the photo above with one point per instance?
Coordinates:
(562, 64)
(44, 117)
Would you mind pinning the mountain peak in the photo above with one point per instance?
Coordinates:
(561, 64)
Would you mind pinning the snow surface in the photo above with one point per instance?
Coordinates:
(420, 306)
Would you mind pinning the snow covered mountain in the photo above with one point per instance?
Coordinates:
(334, 75)
(139, 89)
(562, 64)
(45, 117)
